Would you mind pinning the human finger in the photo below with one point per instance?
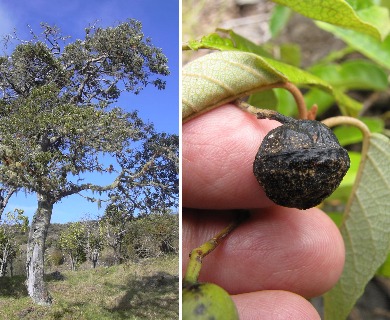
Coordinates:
(276, 248)
(274, 304)
(218, 153)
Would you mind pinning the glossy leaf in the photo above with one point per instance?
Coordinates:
(340, 13)
(211, 41)
(378, 17)
(290, 54)
(365, 230)
(298, 76)
(227, 40)
(353, 74)
(372, 48)
(322, 99)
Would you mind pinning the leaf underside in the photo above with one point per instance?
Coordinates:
(222, 77)
(365, 230)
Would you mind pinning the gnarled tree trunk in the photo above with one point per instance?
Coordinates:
(35, 251)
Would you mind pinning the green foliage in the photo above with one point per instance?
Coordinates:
(131, 237)
(55, 116)
(384, 270)
(55, 258)
(371, 20)
(363, 26)
(279, 19)
(113, 228)
(153, 235)
(268, 72)
(73, 242)
(120, 53)
(58, 124)
(14, 223)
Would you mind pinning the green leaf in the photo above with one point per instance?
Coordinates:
(365, 230)
(350, 134)
(353, 74)
(279, 18)
(361, 4)
(230, 83)
(290, 54)
(298, 76)
(372, 48)
(222, 77)
(339, 13)
(384, 270)
(264, 100)
(227, 40)
(343, 192)
(286, 104)
(212, 41)
(337, 217)
(378, 17)
(321, 98)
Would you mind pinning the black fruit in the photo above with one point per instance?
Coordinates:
(205, 301)
(300, 163)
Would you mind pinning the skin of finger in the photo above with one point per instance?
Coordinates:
(218, 150)
(273, 305)
(277, 248)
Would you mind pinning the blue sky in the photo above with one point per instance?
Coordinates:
(160, 20)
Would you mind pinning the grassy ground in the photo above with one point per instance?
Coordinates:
(146, 290)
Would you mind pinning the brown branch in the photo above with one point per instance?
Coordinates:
(5, 200)
(74, 188)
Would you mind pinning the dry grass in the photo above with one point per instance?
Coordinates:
(147, 290)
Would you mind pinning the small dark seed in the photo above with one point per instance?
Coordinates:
(300, 163)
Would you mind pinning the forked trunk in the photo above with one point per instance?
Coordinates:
(35, 252)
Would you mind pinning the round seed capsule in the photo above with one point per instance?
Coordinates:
(205, 301)
(300, 163)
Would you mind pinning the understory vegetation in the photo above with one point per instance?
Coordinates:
(72, 246)
(147, 289)
(135, 275)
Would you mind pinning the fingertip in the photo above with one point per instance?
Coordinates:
(278, 248)
(218, 153)
(274, 304)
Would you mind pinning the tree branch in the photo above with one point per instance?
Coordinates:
(4, 199)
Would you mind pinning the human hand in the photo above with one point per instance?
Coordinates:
(280, 256)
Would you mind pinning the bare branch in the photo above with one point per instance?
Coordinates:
(5, 195)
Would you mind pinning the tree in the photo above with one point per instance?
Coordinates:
(113, 227)
(14, 223)
(153, 235)
(124, 205)
(73, 242)
(57, 122)
(94, 241)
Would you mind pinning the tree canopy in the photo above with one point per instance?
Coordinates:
(57, 121)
